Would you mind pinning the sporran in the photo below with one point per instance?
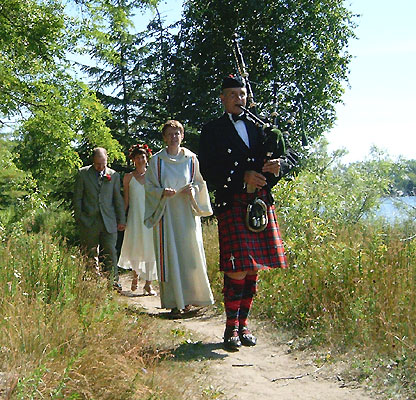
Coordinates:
(256, 215)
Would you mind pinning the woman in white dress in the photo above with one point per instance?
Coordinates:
(176, 198)
(137, 251)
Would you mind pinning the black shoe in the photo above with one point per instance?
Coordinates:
(246, 337)
(231, 339)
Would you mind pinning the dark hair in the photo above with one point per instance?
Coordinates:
(140, 149)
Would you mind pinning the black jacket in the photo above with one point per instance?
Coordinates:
(224, 158)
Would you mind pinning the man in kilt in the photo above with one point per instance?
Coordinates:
(228, 155)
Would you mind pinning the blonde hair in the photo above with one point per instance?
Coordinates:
(172, 124)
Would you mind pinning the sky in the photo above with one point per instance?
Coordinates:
(379, 107)
(378, 104)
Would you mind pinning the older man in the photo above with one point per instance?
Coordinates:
(232, 163)
(99, 211)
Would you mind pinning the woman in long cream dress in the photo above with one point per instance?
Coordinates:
(137, 251)
(176, 198)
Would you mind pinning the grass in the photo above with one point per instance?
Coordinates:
(64, 336)
(349, 289)
(210, 235)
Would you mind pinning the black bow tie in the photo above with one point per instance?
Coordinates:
(240, 117)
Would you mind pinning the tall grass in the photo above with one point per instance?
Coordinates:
(348, 287)
(352, 290)
(63, 336)
(357, 286)
(211, 246)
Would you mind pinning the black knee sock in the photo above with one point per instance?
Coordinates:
(250, 288)
(233, 292)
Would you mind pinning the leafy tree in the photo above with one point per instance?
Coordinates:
(156, 74)
(49, 139)
(289, 46)
(31, 37)
(126, 66)
(54, 114)
(14, 183)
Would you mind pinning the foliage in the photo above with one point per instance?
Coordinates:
(14, 183)
(61, 335)
(159, 105)
(404, 178)
(126, 73)
(47, 145)
(327, 194)
(175, 71)
(36, 214)
(31, 39)
(163, 72)
(288, 46)
(53, 113)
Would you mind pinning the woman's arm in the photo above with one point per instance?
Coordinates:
(126, 189)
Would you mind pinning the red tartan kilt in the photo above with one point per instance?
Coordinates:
(242, 249)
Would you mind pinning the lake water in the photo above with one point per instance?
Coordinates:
(394, 208)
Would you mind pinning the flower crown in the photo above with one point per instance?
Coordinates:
(139, 146)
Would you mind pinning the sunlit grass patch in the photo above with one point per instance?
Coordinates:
(352, 291)
(64, 336)
(349, 289)
(211, 245)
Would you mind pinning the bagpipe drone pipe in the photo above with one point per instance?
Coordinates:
(275, 139)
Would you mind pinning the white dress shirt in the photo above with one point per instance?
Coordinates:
(240, 126)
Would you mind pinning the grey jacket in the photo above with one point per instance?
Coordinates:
(92, 198)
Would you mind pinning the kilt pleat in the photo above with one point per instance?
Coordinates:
(242, 249)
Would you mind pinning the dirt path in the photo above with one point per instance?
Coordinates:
(267, 370)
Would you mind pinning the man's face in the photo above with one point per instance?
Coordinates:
(100, 162)
(232, 98)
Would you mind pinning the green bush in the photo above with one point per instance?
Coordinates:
(351, 279)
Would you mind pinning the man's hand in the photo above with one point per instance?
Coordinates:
(272, 166)
(168, 192)
(121, 227)
(254, 179)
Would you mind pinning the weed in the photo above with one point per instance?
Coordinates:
(63, 334)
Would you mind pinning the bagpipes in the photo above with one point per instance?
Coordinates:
(272, 133)
(273, 138)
